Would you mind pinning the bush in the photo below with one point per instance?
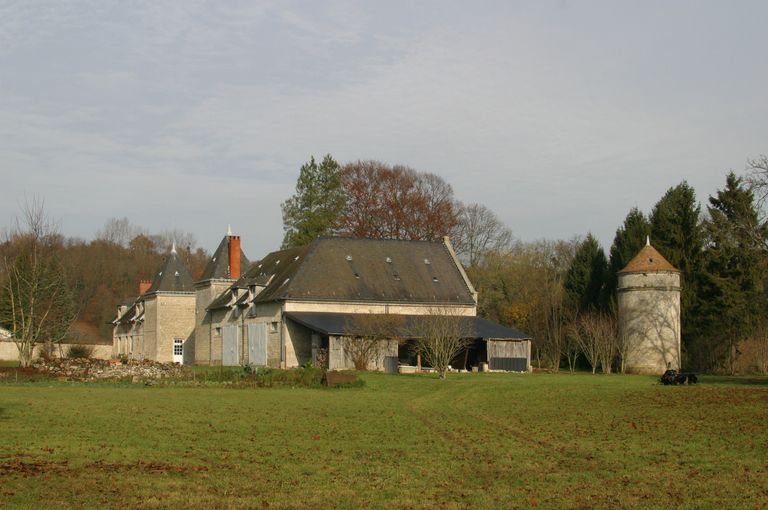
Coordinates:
(79, 351)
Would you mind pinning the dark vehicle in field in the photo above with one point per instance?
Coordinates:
(672, 376)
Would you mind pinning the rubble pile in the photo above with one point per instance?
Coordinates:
(97, 369)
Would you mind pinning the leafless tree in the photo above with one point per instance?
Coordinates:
(441, 336)
(370, 334)
(596, 334)
(36, 304)
(119, 231)
(478, 232)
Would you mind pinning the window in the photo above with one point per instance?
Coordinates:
(178, 346)
(273, 326)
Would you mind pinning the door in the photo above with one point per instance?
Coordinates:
(178, 350)
(230, 352)
(257, 344)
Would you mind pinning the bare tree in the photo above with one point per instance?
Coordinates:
(119, 231)
(36, 304)
(478, 232)
(596, 334)
(369, 335)
(441, 336)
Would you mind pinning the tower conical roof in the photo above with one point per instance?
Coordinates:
(649, 260)
(172, 277)
(218, 265)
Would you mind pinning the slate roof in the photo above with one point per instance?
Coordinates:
(172, 277)
(649, 260)
(218, 266)
(346, 324)
(353, 269)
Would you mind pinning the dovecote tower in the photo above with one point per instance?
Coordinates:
(649, 312)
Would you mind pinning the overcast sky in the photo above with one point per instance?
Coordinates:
(558, 115)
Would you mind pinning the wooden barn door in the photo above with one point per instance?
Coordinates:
(257, 344)
(230, 353)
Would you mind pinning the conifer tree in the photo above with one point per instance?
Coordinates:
(676, 231)
(585, 277)
(629, 240)
(314, 208)
(732, 277)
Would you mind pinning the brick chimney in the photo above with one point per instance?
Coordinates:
(144, 286)
(234, 257)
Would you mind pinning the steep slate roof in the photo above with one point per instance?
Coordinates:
(649, 260)
(172, 277)
(218, 266)
(345, 324)
(350, 269)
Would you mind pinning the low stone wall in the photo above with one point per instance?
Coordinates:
(9, 351)
(94, 369)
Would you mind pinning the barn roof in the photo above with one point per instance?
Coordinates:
(409, 326)
(354, 269)
(649, 260)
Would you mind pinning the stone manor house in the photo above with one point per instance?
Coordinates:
(302, 304)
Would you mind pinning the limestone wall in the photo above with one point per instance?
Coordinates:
(169, 316)
(9, 351)
(205, 293)
(363, 307)
(649, 321)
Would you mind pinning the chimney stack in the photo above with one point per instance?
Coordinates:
(234, 257)
(144, 286)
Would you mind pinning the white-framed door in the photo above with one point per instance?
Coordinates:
(178, 350)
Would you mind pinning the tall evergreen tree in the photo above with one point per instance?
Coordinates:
(315, 207)
(677, 232)
(629, 240)
(585, 277)
(734, 263)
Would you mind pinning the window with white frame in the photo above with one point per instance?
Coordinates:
(178, 346)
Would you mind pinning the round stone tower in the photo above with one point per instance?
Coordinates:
(649, 313)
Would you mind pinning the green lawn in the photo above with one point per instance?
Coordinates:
(475, 440)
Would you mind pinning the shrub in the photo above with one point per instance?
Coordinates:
(79, 351)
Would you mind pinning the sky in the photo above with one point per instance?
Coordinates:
(558, 115)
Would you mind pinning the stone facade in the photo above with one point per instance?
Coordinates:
(649, 313)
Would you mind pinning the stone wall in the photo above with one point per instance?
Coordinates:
(649, 320)
(9, 351)
(205, 293)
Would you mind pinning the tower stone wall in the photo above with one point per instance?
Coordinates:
(649, 313)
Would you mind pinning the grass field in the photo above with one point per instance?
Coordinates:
(475, 440)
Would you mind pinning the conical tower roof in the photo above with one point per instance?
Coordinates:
(649, 260)
(172, 277)
(218, 265)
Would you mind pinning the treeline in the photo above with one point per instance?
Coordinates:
(70, 287)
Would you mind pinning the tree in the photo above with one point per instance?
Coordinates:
(596, 334)
(119, 231)
(478, 232)
(629, 240)
(36, 304)
(316, 205)
(395, 202)
(442, 336)
(676, 231)
(370, 334)
(585, 277)
(734, 265)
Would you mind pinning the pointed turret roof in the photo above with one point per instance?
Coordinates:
(218, 266)
(172, 277)
(649, 260)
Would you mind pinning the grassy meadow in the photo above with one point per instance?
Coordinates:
(474, 440)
